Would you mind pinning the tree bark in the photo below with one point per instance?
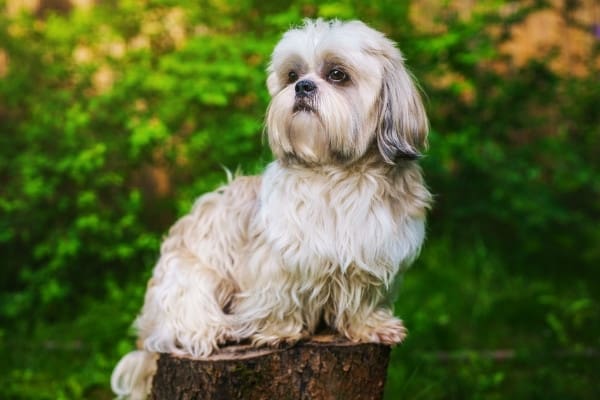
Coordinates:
(324, 368)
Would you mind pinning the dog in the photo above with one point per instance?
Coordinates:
(322, 236)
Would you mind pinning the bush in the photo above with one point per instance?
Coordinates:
(107, 137)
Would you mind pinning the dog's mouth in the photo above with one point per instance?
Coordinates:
(301, 105)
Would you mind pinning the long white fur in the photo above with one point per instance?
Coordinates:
(135, 370)
(320, 236)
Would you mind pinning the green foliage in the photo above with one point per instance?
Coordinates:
(114, 118)
(85, 121)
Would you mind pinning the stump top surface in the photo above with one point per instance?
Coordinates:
(246, 351)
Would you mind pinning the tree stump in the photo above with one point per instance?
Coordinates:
(323, 368)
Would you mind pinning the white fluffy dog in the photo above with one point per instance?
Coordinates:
(320, 237)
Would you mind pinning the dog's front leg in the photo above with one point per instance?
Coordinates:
(357, 309)
(268, 317)
(269, 307)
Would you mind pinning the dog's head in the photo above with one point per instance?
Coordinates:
(340, 89)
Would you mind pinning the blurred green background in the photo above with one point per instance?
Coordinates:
(115, 115)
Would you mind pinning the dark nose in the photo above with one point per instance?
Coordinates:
(305, 88)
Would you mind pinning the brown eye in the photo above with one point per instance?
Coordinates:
(335, 75)
(292, 76)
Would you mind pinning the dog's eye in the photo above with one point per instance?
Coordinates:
(336, 75)
(292, 76)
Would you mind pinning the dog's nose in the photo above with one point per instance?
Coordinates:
(305, 88)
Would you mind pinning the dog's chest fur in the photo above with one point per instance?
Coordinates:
(336, 218)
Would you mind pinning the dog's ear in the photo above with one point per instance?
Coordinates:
(273, 85)
(402, 121)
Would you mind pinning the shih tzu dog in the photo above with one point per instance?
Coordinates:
(320, 237)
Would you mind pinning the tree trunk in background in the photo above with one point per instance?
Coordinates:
(323, 368)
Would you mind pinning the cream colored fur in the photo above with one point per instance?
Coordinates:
(321, 236)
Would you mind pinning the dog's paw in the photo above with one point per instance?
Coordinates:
(378, 328)
(391, 332)
(198, 345)
(282, 337)
(260, 340)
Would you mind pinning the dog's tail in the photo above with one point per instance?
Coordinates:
(132, 377)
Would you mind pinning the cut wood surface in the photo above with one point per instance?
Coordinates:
(326, 367)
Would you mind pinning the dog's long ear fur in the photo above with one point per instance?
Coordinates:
(402, 125)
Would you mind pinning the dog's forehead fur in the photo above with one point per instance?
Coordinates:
(352, 45)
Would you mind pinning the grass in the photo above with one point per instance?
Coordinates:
(479, 329)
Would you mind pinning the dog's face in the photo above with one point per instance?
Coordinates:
(339, 90)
